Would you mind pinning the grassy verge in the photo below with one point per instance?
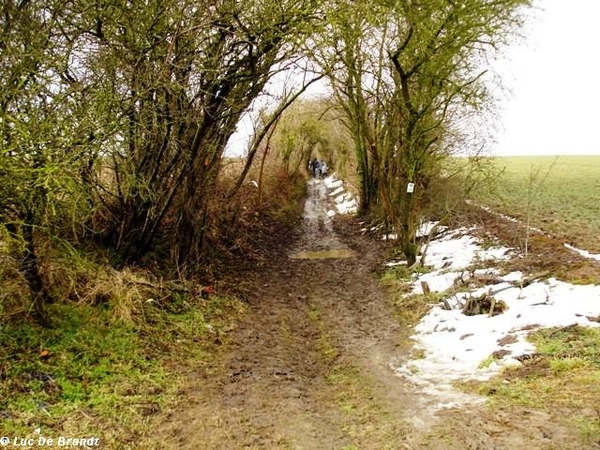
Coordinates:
(562, 380)
(409, 308)
(367, 422)
(92, 375)
(324, 343)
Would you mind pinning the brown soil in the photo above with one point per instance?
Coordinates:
(546, 253)
(310, 367)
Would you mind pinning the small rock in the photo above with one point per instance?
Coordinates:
(499, 354)
(506, 340)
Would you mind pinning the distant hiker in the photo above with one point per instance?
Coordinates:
(323, 168)
(313, 165)
(318, 169)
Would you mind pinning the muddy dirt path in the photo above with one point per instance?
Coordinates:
(310, 365)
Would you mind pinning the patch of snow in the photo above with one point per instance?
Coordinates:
(344, 201)
(458, 249)
(340, 198)
(437, 282)
(454, 345)
(583, 253)
(396, 263)
(347, 207)
(513, 276)
(426, 228)
(332, 182)
(338, 191)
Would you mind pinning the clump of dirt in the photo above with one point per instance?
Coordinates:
(479, 428)
(532, 365)
(475, 280)
(484, 304)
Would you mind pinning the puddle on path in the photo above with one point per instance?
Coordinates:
(324, 254)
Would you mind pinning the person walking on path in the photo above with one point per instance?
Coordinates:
(313, 165)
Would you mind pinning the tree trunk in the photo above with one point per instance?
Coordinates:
(408, 232)
(30, 268)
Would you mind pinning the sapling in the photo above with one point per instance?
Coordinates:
(535, 183)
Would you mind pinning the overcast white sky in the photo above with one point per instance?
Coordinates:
(554, 77)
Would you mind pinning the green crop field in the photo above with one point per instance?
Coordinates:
(561, 195)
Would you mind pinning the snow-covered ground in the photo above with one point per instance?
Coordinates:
(345, 202)
(453, 346)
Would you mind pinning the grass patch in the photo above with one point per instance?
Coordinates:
(325, 345)
(564, 204)
(396, 275)
(563, 380)
(487, 362)
(94, 375)
(410, 308)
(402, 274)
(366, 421)
(572, 342)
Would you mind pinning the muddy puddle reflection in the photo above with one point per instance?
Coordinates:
(324, 254)
(319, 240)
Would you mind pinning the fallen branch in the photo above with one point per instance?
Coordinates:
(523, 283)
